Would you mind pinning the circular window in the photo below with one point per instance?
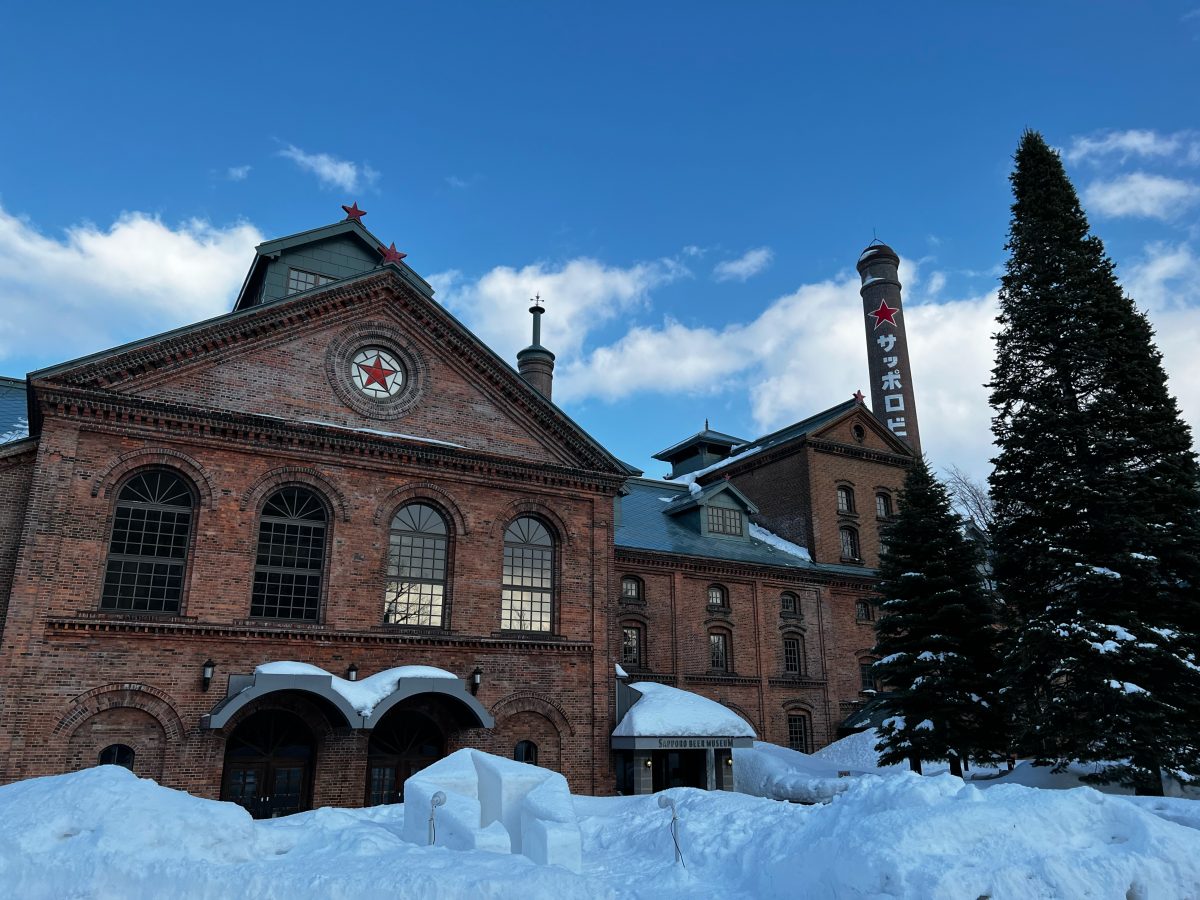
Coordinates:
(376, 373)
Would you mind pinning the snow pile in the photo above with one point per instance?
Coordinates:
(771, 539)
(768, 770)
(666, 711)
(103, 833)
(856, 752)
(363, 695)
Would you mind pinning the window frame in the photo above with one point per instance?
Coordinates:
(722, 593)
(527, 744)
(639, 595)
(719, 521)
(448, 539)
(726, 642)
(321, 281)
(327, 543)
(855, 543)
(846, 492)
(806, 730)
(868, 681)
(551, 591)
(117, 754)
(861, 607)
(794, 605)
(640, 630)
(884, 508)
(800, 667)
(183, 562)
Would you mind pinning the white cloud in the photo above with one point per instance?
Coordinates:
(1124, 144)
(331, 171)
(238, 173)
(97, 288)
(745, 266)
(578, 296)
(1142, 195)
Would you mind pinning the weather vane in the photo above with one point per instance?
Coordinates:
(537, 300)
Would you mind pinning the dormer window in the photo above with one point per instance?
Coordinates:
(722, 520)
(299, 280)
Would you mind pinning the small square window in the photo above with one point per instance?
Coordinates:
(718, 596)
(631, 588)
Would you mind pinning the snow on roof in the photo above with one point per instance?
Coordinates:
(395, 434)
(771, 539)
(364, 695)
(664, 711)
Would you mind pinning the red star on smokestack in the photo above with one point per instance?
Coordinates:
(353, 213)
(885, 313)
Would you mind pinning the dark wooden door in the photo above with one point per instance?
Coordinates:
(268, 765)
(404, 743)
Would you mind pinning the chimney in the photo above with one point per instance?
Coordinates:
(887, 347)
(535, 362)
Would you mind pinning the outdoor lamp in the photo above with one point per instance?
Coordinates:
(206, 673)
(352, 673)
(476, 679)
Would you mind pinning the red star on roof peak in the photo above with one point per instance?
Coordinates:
(353, 213)
(885, 313)
(859, 396)
(391, 254)
(376, 373)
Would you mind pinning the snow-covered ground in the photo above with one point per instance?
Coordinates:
(103, 833)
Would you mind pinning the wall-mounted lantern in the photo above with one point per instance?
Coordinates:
(206, 673)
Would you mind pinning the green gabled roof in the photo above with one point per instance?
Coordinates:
(352, 228)
(645, 525)
(707, 436)
(687, 501)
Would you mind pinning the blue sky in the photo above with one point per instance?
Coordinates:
(687, 185)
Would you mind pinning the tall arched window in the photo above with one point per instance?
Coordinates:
(793, 654)
(719, 658)
(845, 499)
(527, 593)
(416, 585)
(291, 556)
(147, 555)
(849, 543)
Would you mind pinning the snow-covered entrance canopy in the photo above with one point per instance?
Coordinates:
(361, 703)
(661, 717)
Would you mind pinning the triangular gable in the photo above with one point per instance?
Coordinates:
(877, 436)
(327, 255)
(274, 360)
(701, 497)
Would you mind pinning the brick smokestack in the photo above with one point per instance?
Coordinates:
(892, 396)
(535, 362)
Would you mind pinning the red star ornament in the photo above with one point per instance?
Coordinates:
(353, 213)
(391, 254)
(376, 373)
(859, 396)
(885, 313)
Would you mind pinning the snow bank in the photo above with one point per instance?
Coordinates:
(768, 770)
(364, 695)
(771, 539)
(664, 710)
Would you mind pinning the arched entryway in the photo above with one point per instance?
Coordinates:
(404, 742)
(269, 764)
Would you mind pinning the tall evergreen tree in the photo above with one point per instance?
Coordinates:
(936, 635)
(1097, 512)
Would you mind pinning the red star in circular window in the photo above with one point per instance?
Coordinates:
(376, 373)
(885, 313)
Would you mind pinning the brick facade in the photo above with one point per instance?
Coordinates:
(251, 403)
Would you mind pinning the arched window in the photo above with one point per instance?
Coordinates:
(866, 674)
(719, 651)
(291, 556)
(526, 752)
(117, 755)
(849, 542)
(799, 731)
(631, 588)
(789, 603)
(631, 645)
(528, 588)
(864, 611)
(883, 506)
(147, 555)
(793, 654)
(718, 597)
(845, 499)
(416, 585)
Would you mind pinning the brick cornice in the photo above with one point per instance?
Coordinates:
(266, 633)
(159, 420)
(718, 568)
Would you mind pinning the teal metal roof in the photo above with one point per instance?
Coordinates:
(14, 421)
(688, 500)
(804, 426)
(707, 436)
(645, 525)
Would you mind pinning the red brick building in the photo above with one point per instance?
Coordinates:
(339, 474)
